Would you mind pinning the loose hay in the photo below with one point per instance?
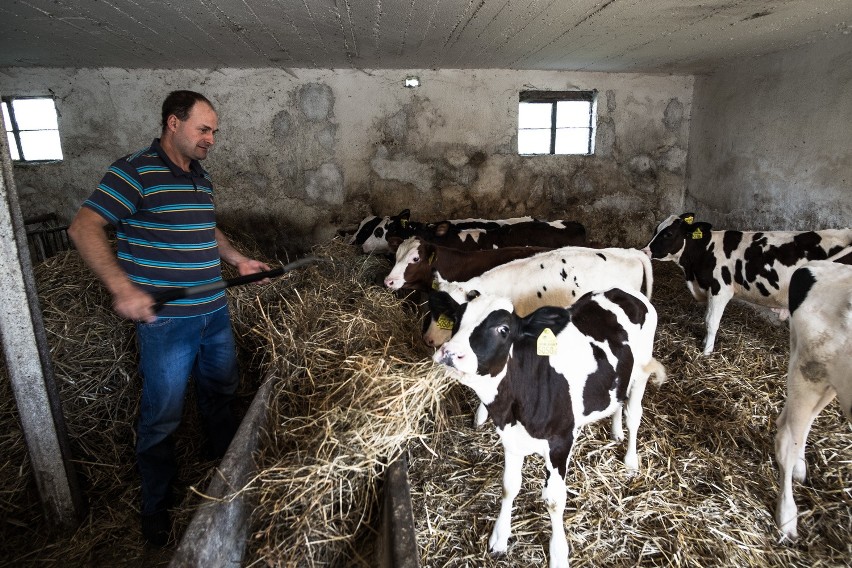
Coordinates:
(355, 388)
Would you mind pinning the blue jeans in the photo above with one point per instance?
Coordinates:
(170, 350)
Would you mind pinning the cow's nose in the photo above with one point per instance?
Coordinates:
(389, 283)
(446, 356)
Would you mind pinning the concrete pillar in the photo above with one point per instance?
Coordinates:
(29, 365)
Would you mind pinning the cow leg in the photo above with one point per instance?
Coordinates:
(513, 465)
(634, 415)
(804, 401)
(715, 307)
(554, 495)
(617, 427)
(481, 415)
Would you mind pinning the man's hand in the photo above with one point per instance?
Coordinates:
(251, 266)
(134, 304)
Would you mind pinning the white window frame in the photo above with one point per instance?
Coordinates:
(15, 131)
(552, 98)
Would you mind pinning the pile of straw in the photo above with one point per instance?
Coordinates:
(706, 490)
(354, 388)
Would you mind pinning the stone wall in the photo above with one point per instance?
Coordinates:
(300, 155)
(770, 141)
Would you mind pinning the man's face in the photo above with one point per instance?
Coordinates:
(193, 137)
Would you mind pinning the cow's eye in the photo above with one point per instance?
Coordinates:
(503, 330)
(416, 259)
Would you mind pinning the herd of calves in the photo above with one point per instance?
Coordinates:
(537, 321)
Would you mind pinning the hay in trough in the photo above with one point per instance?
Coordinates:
(354, 389)
(706, 490)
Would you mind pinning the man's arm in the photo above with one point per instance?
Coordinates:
(235, 258)
(88, 231)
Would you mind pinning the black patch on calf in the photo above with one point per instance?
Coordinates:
(602, 256)
(730, 241)
(668, 240)
(726, 275)
(368, 228)
(535, 395)
(564, 275)
(845, 259)
(491, 340)
(800, 284)
(699, 260)
(633, 308)
(762, 289)
(599, 384)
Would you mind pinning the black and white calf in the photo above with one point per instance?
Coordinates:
(754, 266)
(820, 368)
(544, 376)
(372, 233)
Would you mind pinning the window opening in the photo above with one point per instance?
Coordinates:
(556, 122)
(32, 129)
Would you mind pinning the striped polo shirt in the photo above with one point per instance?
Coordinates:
(164, 222)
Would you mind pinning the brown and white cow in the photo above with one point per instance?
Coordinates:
(416, 260)
(553, 278)
(751, 265)
(820, 368)
(545, 376)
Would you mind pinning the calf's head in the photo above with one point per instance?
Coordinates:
(487, 332)
(412, 268)
(672, 234)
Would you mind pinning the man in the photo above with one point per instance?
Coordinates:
(160, 202)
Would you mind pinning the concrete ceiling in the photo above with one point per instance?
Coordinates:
(645, 36)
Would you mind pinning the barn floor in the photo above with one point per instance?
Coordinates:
(707, 485)
(704, 495)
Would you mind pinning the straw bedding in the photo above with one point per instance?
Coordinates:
(355, 388)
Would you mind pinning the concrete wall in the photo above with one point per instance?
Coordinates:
(301, 155)
(770, 141)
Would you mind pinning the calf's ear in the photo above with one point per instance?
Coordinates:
(548, 316)
(688, 218)
(698, 231)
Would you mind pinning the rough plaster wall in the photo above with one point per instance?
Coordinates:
(770, 142)
(300, 155)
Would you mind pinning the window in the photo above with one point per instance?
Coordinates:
(32, 128)
(556, 122)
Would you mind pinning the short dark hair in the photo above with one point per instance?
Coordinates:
(179, 103)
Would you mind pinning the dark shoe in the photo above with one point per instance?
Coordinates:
(157, 527)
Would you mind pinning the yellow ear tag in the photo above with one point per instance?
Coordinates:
(697, 234)
(404, 223)
(546, 343)
(689, 219)
(435, 285)
(432, 257)
(444, 322)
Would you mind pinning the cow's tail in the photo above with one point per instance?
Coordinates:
(656, 368)
(648, 280)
